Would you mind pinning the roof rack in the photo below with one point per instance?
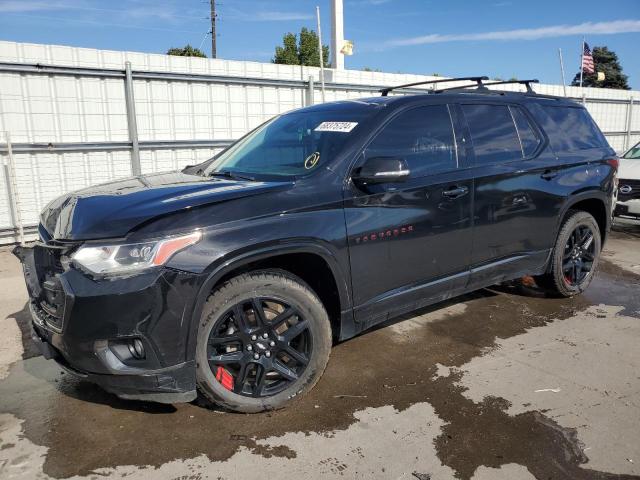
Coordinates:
(526, 83)
(478, 80)
(484, 86)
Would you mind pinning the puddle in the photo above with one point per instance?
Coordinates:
(86, 430)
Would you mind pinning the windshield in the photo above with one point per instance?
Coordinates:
(634, 152)
(290, 145)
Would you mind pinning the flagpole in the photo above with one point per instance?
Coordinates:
(582, 62)
(320, 50)
(564, 83)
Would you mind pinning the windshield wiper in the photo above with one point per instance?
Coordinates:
(233, 176)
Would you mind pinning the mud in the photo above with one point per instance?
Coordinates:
(86, 429)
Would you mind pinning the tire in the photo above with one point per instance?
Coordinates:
(233, 311)
(561, 279)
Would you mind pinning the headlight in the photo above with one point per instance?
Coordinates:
(132, 257)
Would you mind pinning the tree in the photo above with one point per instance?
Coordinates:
(288, 53)
(187, 51)
(301, 50)
(605, 61)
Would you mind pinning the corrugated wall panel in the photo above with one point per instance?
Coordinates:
(58, 109)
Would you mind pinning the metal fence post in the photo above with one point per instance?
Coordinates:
(627, 139)
(131, 119)
(10, 178)
(311, 91)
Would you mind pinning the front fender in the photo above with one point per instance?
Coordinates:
(229, 263)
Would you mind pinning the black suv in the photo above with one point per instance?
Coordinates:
(234, 276)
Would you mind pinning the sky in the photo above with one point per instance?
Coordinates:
(498, 38)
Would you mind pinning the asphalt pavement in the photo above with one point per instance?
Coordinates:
(503, 383)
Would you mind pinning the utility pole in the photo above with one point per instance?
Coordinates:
(214, 53)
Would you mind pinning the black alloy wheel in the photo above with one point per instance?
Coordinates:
(575, 256)
(262, 344)
(264, 338)
(579, 254)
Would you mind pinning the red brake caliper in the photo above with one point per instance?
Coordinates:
(225, 378)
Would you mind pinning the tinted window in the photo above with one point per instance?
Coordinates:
(572, 129)
(528, 137)
(493, 133)
(423, 136)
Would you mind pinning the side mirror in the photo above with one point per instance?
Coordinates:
(381, 170)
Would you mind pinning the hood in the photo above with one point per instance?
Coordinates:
(629, 169)
(113, 209)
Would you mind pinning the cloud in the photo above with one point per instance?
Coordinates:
(368, 2)
(144, 11)
(590, 28)
(279, 16)
(20, 6)
(264, 16)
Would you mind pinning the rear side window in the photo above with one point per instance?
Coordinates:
(423, 136)
(571, 129)
(528, 138)
(493, 133)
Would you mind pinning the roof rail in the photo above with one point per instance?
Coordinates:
(478, 80)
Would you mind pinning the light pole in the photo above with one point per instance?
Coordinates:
(337, 34)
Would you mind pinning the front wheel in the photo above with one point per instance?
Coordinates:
(575, 256)
(264, 338)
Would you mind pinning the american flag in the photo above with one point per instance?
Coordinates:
(587, 60)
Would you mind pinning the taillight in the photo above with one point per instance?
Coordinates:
(615, 163)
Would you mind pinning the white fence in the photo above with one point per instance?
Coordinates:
(77, 117)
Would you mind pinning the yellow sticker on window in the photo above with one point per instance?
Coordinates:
(312, 160)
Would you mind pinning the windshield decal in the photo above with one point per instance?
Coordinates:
(312, 160)
(343, 127)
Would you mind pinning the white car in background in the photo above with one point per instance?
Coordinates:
(629, 184)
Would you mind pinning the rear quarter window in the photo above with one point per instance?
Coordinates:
(528, 137)
(571, 128)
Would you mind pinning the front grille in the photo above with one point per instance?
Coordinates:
(628, 190)
(49, 297)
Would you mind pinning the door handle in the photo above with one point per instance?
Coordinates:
(549, 174)
(455, 192)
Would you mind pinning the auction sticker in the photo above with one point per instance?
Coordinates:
(344, 127)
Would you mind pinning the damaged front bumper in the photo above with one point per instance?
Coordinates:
(128, 335)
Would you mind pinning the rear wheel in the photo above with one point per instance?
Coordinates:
(264, 338)
(575, 256)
